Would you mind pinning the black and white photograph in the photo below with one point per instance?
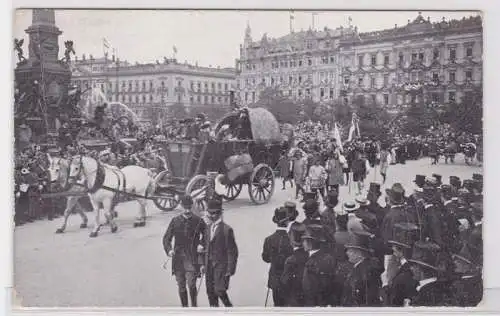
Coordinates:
(247, 158)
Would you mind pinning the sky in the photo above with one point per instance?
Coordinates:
(209, 38)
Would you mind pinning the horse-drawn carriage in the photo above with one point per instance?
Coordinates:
(237, 162)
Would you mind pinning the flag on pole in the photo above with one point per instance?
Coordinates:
(336, 134)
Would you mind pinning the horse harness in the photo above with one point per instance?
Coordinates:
(100, 177)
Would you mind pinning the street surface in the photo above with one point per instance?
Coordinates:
(125, 269)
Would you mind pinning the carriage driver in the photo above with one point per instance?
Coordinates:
(188, 230)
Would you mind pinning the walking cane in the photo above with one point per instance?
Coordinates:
(267, 296)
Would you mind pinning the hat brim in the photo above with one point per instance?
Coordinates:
(459, 257)
(215, 210)
(422, 264)
(359, 248)
(306, 236)
(398, 243)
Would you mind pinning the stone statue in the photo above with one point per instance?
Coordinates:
(68, 51)
(18, 47)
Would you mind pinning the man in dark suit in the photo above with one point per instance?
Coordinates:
(277, 248)
(344, 267)
(363, 284)
(221, 255)
(313, 217)
(374, 207)
(467, 289)
(291, 279)
(430, 290)
(319, 272)
(402, 286)
(397, 211)
(188, 230)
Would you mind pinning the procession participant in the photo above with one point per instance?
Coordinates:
(402, 286)
(433, 153)
(221, 255)
(397, 212)
(374, 207)
(299, 172)
(431, 290)
(334, 168)
(285, 166)
(363, 285)
(319, 272)
(277, 248)
(293, 270)
(385, 160)
(189, 231)
(359, 171)
(317, 177)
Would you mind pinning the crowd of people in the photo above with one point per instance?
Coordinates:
(423, 249)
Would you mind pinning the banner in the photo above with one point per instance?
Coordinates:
(336, 134)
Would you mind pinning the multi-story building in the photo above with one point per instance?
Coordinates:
(422, 61)
(149, 89)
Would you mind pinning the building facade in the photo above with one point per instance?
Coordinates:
(423, 61)
(150, 89)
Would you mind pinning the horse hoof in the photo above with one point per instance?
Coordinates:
(114, 229)
(59, 231)
(93, 234)
(83, 225)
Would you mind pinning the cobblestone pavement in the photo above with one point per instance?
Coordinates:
(125, 269)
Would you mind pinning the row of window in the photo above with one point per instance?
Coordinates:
(198, 85)
(144, 86)
(149, 99)
(415, 56)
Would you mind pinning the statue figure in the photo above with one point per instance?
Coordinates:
(18, 47)
(68, 51)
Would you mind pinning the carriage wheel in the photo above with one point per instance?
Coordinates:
(166, 201)
(261, 185)
(197, 188)
(232, 191)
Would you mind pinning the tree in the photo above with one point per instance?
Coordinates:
(373, 117)
(466, 116)
(284, 109)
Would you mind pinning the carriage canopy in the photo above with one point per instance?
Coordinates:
(264, 126)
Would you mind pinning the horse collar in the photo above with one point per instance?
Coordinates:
(99, 178)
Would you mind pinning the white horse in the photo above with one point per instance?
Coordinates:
(104, 183)
(59, 173)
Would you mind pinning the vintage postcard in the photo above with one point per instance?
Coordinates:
(239, 158)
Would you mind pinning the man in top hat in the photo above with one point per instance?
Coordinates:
(402, 286)
(293, 270)
(276, 250)
(467, 289)
(363, 283)
(374, 207)
(189, 231)
(397, 211)
(319, 271)
(313, 217)
(221, 255)
(431, 291)
(292, 213)
(429, 215)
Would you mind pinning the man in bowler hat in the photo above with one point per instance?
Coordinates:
(402, 287)
(319, 272)
(277, 248)
(221, 255)
(188, 231)
(291, 279)
(374, 207)
(430, 290)
(313, 217)
(362, 286)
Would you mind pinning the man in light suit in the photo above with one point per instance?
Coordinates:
(221, 255)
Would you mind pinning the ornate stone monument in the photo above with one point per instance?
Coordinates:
(42, 80)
